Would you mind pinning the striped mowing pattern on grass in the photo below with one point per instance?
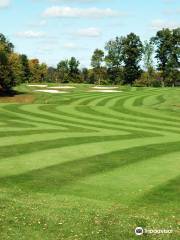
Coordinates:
(80, 166)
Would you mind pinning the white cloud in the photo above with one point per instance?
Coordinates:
(70, 46)
(169, 1)
(4, 3)
(30, 34)
(38, 24)
(42, 22)
(73, 47)
(160, 23)
(172, 11)
(70, 12)
(89, 32)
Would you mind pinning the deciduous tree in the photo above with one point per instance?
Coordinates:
(25, 67)
(7, 78)
(96, 62)
(114, 59)
(148, 50)
(163, 43)
(132, 55)
(63, 71)
(74, 72)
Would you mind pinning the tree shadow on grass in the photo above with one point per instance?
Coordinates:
(14, 96)
(11, 93)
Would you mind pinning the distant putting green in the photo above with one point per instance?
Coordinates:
(90, 165)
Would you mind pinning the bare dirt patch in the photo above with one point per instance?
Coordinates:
(18, 99)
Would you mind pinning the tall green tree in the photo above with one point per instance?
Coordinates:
(148, 50)
(114, 55)
(85, 75)
(96, 62)
(25, 67)
(74, 72)
(132, 55)
(174, 59)
(114, 59)
(164, 47)
(7, 78)
(51, 74)
(63, 71)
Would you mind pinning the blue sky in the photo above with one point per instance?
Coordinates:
(52, 30)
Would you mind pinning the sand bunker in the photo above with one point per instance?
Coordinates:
(49, 91)
(106, 91)
(100, 87)
(62, 87)
(34, 85)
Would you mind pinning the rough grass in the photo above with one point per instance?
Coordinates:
(89, 166)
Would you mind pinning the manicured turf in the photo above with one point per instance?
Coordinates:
(89, 166)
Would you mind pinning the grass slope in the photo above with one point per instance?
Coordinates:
(89, 166)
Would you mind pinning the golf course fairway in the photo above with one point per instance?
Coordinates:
(87, 165)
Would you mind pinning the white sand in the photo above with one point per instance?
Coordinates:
(100, 87)
(34, 85)
(106, 91)
(49, 91)
(62, 87)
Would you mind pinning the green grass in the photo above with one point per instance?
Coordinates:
(89, 166)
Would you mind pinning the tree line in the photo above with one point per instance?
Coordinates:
(17, 68)
(124, 60)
